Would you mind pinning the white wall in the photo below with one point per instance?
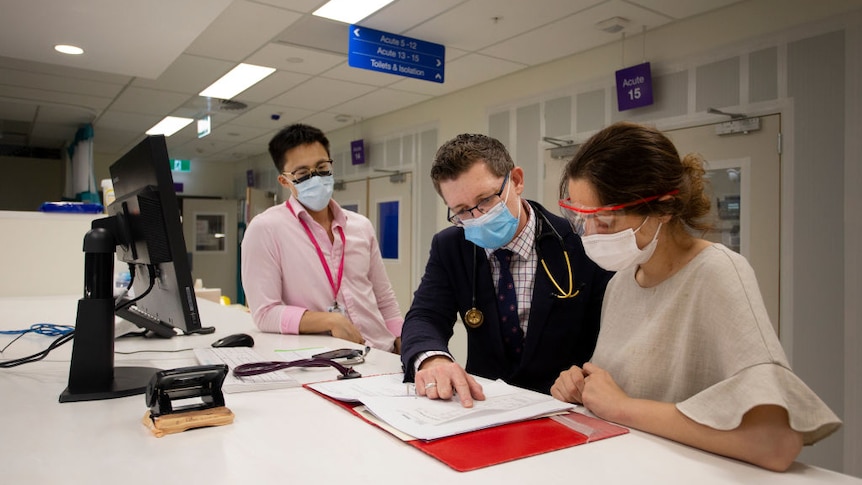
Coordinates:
(43, 253)
(852, 257)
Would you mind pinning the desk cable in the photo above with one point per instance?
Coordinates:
(64, 334)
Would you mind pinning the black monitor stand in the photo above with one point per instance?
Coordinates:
(92, 374)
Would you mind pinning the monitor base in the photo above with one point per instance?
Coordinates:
(128, 381)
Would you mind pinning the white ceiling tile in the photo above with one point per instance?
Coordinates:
(230, 132)
(321, 93)
(255, 147)
(61, 84)
(398, 17)
(271, 86)
(453, 53)
(295, 59)
(306, 6)
(35, 96)
(65, 72)
(188, 74)
(110, 139)
(552, 42)
(325, 121)
(461, 73)
(240, 30)
(179, 139)
(381, 101)
(316, 33)
(144, 38)
(344, 72)
(678, 9)
(471, 25)
(148, 101)
(197, 148)
(262, 116)
(118, 120)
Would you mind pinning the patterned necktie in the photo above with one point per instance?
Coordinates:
(507, 305)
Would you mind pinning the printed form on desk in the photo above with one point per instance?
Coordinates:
(397, 404)
(235, 356)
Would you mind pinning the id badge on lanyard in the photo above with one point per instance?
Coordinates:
(336, 309)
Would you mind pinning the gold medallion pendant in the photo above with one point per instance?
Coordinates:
(473, 318)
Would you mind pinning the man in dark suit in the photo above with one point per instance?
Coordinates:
(531, 311)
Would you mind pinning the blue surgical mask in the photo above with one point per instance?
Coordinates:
(315, 192)
(493, 229)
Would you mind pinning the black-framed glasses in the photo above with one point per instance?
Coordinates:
(482, 207)
(257, 368)
(301, 174)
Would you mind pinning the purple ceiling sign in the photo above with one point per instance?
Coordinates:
(357, 152)
(634, 87)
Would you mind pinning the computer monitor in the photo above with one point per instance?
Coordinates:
(152, 242)
(143, 227)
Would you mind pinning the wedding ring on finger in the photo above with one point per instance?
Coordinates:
(430, 385)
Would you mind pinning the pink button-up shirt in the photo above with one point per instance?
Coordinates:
(283, 276)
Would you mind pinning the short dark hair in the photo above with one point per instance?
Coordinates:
(291, 137)
(457, 155)
(626, 161)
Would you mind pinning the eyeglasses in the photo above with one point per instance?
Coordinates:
(482, 207)
(600, 220)
(257, 368)
(301, 174)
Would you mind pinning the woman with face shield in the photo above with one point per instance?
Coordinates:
(686, 349)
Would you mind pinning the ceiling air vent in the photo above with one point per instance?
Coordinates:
(230, 105)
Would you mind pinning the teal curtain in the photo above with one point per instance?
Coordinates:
(83, 176)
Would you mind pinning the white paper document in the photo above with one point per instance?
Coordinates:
(397, 404)
(353, 390)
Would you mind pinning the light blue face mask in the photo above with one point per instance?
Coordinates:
(315, 192)
(495, 228)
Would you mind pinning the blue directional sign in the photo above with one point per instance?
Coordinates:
(384, 52)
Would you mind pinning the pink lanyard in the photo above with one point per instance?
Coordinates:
(320, 255)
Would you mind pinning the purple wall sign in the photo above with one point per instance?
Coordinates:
(634, 87)
(357, 152)
(249, 178)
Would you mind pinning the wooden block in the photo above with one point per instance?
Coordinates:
(182, 421)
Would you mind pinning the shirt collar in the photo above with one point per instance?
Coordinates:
(339, 216)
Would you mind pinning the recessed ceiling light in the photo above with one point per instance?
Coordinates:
(350, 11)
(169, 125)
(69, 49)
(236, 81)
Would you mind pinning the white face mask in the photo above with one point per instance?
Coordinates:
(315, 192)
(618, 251)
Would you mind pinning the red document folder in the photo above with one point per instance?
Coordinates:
(507, 442)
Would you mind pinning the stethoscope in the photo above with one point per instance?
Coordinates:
(474, 317)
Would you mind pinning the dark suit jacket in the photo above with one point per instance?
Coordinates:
(560, 333)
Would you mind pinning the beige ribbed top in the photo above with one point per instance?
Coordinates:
(702, 339)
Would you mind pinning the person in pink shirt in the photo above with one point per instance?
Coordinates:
(308, 266)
